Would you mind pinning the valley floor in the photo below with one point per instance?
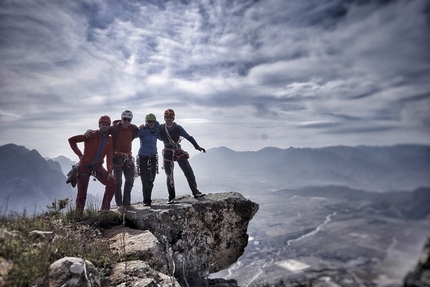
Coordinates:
(292, 234)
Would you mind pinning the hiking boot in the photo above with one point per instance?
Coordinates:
(171, 201)
(146, 204)
(198, 195)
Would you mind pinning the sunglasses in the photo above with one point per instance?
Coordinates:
(126, 119)
(150, 122)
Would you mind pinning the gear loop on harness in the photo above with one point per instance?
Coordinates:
(172, 154)
(128, 159)
(94, 174)
(151, 164)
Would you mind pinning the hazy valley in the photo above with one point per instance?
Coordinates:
(292, 234)
(361, 209)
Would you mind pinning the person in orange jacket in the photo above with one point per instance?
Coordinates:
(123, 132)
(96, 148)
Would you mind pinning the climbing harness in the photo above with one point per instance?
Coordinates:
(176, 150)
(149, 165)
(128, 158)
(93, 171)
(123, 159)
(173, 154)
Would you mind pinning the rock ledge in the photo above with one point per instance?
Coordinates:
(197, 236)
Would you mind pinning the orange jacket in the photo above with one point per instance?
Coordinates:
(91, 146)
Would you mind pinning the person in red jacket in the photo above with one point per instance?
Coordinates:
(123, 132)
(96, 148)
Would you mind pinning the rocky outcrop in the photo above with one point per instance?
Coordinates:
(72, 271)
(139, 273)
(420, 275)
(196, 237)
(143, 262)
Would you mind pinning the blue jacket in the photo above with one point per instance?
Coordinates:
(148, 140)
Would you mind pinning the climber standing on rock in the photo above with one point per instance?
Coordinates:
(96, 148)
(148, 155)
(123, 132)
(171, 134)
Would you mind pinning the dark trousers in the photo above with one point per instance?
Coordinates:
(184, 164)
(148, 171)
(102, 176)
(127, 168)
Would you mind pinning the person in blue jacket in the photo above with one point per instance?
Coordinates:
(171, 134)
(148, 155)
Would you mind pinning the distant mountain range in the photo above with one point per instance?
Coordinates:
(28, 182)
(64, 162)
(394, 168)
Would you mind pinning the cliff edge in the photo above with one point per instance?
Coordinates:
(196, 237)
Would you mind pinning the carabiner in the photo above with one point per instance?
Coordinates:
(94, 174)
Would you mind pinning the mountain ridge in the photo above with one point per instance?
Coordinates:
(28, 181)
(402, 167)
(398, 167)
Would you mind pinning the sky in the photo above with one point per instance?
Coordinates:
(245, 74)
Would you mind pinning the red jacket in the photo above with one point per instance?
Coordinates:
(114, 130)
(91, 146)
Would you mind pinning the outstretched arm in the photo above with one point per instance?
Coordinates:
(185, 135)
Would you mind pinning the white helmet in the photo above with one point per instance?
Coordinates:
(127, 114)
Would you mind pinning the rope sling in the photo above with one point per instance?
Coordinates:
(128, 158)
(177, 152)
(96, 158)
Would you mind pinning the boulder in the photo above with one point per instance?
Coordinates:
(134, 244)
(138, 273)
(72, 271)
(198, 237)
(420, 275)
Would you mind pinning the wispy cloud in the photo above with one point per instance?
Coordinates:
(251, 73)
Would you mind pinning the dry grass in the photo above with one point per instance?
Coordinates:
(26, 257)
